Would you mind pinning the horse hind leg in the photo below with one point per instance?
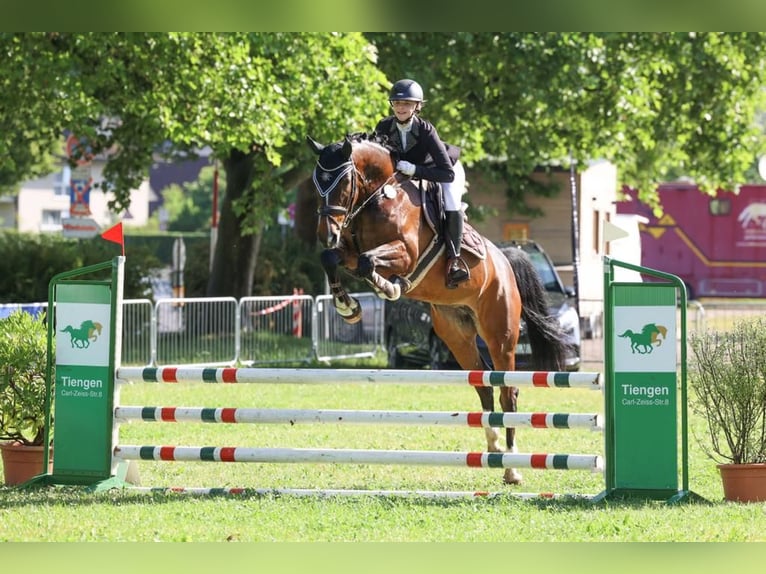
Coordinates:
(487, 401)
(509, 399)
(509, 404)
(458, 331)
(502, 351)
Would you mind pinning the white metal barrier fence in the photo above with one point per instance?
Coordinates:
(298, 328)
(212, 331)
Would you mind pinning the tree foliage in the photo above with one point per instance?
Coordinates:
(189, 206)
(651, 103)
(251, 98)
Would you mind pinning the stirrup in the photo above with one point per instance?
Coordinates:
(457, 272)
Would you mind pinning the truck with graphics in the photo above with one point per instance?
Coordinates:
(715, 243)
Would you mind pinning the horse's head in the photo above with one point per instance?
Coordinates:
(347, 176)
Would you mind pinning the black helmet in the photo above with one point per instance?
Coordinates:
(406, 90)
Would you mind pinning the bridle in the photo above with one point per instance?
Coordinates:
(350, 209)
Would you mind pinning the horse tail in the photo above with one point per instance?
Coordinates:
(546, 337)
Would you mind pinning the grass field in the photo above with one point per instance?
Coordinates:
(71, 514)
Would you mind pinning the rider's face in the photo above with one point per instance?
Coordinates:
(403, 109)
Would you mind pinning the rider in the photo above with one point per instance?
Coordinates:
(422, 154)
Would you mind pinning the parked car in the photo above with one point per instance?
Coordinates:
(411, 341)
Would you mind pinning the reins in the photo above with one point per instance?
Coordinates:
(372, 196)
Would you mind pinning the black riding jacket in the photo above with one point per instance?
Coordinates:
(424, 149)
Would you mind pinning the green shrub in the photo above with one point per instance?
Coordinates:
(728, 383)
(23, 360)
(29, 261)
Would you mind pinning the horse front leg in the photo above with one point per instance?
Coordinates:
(346, 306)
(391, 257)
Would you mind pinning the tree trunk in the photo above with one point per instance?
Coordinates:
(306, 218)
(235, 255)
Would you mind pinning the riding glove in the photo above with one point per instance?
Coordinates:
(405, 167)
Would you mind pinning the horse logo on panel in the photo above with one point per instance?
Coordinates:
(754, 213)
(647, 339)
(82, 336)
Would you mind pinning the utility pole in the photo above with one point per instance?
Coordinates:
(575, 232)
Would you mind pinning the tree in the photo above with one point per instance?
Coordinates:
(251, 98)
(649, 102)
(189, 206)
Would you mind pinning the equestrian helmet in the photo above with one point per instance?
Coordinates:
(406, 90)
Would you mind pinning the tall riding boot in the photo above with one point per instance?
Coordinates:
(457, 270)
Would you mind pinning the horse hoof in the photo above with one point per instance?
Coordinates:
(355, 317)
(512, 476)
(392, 293)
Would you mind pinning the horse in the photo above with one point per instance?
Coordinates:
(82, 336)
(651, 335)
(378, 224)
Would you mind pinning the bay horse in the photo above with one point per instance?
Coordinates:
(376, 223)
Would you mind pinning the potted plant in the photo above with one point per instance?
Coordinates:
(23, 362)
(728, 383)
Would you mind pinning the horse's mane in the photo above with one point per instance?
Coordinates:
(374, 137)
(359, 136)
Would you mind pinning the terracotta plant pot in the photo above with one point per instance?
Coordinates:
(20, 463)
(744, 482)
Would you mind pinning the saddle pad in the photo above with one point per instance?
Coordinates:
(471, 241)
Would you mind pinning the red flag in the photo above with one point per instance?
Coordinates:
(114, 234)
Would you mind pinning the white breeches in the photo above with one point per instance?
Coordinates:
(454, 190)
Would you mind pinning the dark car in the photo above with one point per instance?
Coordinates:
(411, 341)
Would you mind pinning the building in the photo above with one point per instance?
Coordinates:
(596, 195)
(45, 204)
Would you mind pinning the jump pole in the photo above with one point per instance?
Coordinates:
(630, 469)
(352, 492)
(361, 376)
(296, 416)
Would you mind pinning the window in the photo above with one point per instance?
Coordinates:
(596, 222)
(51, 218)
(516, 232)
(61, 181)
(720, 206)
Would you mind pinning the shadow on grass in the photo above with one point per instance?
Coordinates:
(14, 497)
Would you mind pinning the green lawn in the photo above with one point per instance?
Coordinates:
(71, 514)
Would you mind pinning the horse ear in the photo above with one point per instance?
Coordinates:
(346, 148)
(315, 146)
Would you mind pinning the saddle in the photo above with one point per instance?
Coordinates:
(432, 203)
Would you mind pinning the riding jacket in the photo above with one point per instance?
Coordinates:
(433, 158)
